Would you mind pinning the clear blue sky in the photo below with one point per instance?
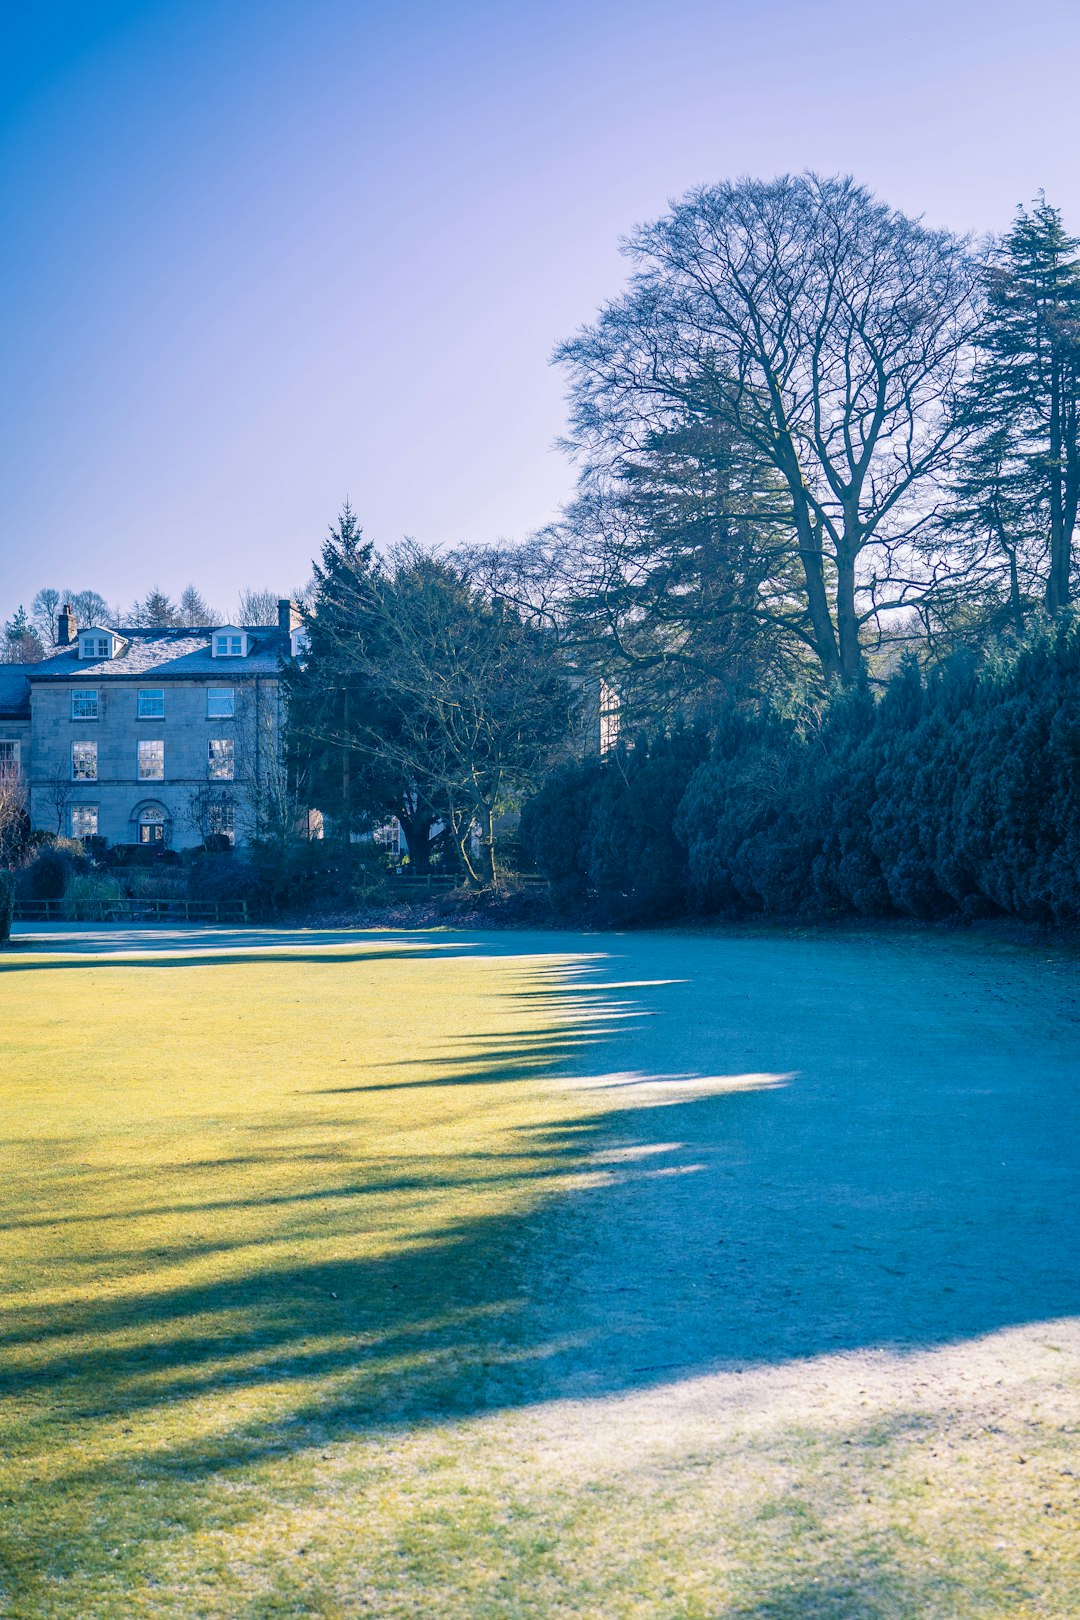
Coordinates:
(260, 256)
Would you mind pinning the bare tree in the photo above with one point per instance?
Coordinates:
(831, 334)
(14, 803)
(210, 812)
(257, 607)
(469, 699)
(57, 790)
(43, 611)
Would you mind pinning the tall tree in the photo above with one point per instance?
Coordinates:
(336, 706)
(43, 611)
(423, 696)
(21, 644)
(1019, 479)
(257, 607)
(156, 611)
(827, 331)
(194, 608)
(478, 697)
(88, 607)
(682, 589)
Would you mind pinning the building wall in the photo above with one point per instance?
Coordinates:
(185, 730)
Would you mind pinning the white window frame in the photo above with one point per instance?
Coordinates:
(90, 694)
(229, 645)
(95, 646)
(143, 774)
(91, 752)
(10, 756)
(221, 768)
(221, 821)
(226, 693)
(78, 812)
(150, 704)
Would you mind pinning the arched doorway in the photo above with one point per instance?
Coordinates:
(154, 826)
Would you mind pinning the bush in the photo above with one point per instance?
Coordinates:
(141, 855)
(221, 877)
(153, 882)
(955, 795)
(603, 832)
(90, 889)
(7, 905)
(50, 868)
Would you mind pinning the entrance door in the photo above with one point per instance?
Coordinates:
(152, 827)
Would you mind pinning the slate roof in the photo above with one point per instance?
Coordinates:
(15, 691)
(169, 655)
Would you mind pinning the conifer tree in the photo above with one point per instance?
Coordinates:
(335, 708)
(1019, 480)
(21, 644)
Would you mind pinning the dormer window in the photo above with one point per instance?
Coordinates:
(230, 643)
(98, 641)
(299, 643)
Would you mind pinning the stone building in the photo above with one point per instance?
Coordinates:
(151, 736)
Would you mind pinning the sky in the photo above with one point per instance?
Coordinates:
(259, 256)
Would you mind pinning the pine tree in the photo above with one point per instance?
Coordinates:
(158, 611)
(1019, 481)
(333, 707)
(194, 609)
(22, 644)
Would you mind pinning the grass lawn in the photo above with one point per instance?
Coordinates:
(538, 1275)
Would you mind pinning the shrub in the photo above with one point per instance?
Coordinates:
(50, 868)
(221, 877)
(603, 832)
(153, 882)
(956, 794)
(90, 891)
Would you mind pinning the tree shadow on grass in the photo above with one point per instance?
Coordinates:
(718, 1204)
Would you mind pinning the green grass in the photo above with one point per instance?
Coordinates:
(275, 1338)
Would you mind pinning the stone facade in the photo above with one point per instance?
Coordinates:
(161, 740)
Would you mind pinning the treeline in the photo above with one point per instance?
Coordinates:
(30, 634)
(956, 795)
(822, 559)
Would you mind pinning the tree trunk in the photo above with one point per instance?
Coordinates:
(416, 825)
(813, 565)
(487, 847)
(1015, 602)
(1057, 585)
(847, 619)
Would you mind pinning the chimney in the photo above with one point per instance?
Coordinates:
(287, 616)
(66, 627)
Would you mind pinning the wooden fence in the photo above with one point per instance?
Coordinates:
(442, 880)
(137, 910)
(235, 912)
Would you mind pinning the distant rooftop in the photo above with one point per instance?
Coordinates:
(168, 653)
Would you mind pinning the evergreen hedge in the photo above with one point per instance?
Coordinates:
(956, 794)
